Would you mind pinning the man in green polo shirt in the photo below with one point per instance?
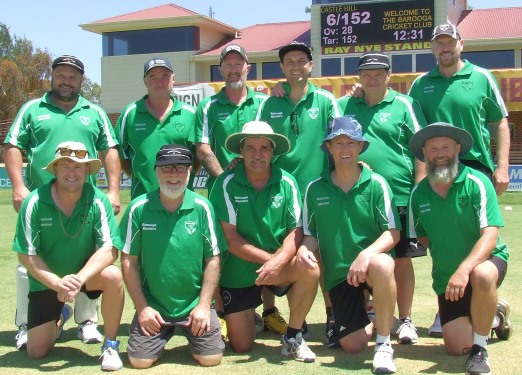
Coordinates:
(62, 215)
(155, 120)
(302, 115)
(389, 120)
(259, 207)
(60, 115)
(455, 212)
(171, 243)
(467, 96)
(350, 211)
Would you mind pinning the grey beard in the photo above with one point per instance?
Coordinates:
(237, 85)
(443, 174)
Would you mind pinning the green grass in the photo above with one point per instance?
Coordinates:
(427, 357)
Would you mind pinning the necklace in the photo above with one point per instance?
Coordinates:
(83, 221)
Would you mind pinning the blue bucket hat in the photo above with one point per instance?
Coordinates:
(348, 126)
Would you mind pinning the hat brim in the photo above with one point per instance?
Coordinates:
(295, 47)
(461, 136)
(280, 142)
(324, 148)
(374, 67)
(94, 164)
(160, 163)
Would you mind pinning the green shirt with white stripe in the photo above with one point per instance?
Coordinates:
(171, 249)
(453, 224)
(264, 218)
(470, 99)
(344, 224)
(388, 126)
(141, 135)
(305, 124)
(63, 243)
(41, 125)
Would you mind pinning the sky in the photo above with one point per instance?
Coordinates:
(53, 25)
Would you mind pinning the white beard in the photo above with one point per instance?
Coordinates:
(174, 192)
(443, 174)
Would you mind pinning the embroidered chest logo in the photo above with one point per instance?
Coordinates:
(179, 126)
(277, 200)
(85, 120)
(467, 85)
(463, 201)
(313, 113)
(190, 226)
(364, 198)
(383, 117)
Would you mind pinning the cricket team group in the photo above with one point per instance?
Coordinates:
(306, 192)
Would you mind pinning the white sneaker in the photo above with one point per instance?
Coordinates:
(297, 348)
(383, 359)
(88, 333)
(435, 329)
(21, 338)
(407, 333)
(110, 358)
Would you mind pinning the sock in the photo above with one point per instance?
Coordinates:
(480, 340)
(329, 313)
(220, 314)
(405, 319)
(292, 332)
(380, 339)
(269, 311)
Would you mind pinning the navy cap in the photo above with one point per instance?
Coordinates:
(295, 46)
(173, 154)
(69, 60)
(374, 61)
(156, 62)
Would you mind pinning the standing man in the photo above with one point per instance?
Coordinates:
(64, 238)
(155, 120)
(170, 260)
(60, 115)
(351, 213)
(389, 120)
(259, 207)
(219, 116)
(467, 96)
(455, 212)
(302, 115)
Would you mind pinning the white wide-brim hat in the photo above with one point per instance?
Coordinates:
(258, 129)
(94, 164)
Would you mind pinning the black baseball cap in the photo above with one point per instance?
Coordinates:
(445, 29)
(173, 154)
(295, 46)
(69, 60)
(156, 62)
(233, 48)
(374, 61)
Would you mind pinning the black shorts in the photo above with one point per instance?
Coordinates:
(349, 308)
(451, 310)
(407, 247)
(241, 299)
(43, 307)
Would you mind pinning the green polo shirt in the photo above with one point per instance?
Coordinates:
(41, 125)
(309, 119)
(217, 118)
(347, 223)
(453, 224)
(63, 243)
(171, 249)
(389, 126)
(141, 135)
(470, 99)
(264, 218)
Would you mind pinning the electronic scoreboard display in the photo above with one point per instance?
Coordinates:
(377, 22)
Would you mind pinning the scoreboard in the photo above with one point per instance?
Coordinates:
(373, 23)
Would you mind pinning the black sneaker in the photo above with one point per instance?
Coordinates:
(331, 335)
(478, 363)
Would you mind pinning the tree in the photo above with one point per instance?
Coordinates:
(91, 91)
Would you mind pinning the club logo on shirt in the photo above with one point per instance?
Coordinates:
(179, 126)
(383, 117)
(85, 120)
(364, 198)
(463, 201)
(190, 226)
(467, 85)
(313, 113)
(277, 200)
(227, 298)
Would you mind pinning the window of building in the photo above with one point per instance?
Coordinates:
(272, 70)
(215, 75)
(331, 67)
(424, 62)
(401, 64)
(134, 42)
(491, 59)
(350, 66)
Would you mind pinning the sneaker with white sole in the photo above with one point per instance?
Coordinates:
(110, 357)
(435, 329)
(297, 348)
(383, 359)
(477, 362)
(65, 315)
(407, 333)
(504, 329)
(21, 338)
(275, 322)
(88, 333)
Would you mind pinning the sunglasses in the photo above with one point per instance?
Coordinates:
(180, 168)
(293, 123)
(80, 154)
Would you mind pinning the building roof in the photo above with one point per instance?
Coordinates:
(497, 23)
(161, 11)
